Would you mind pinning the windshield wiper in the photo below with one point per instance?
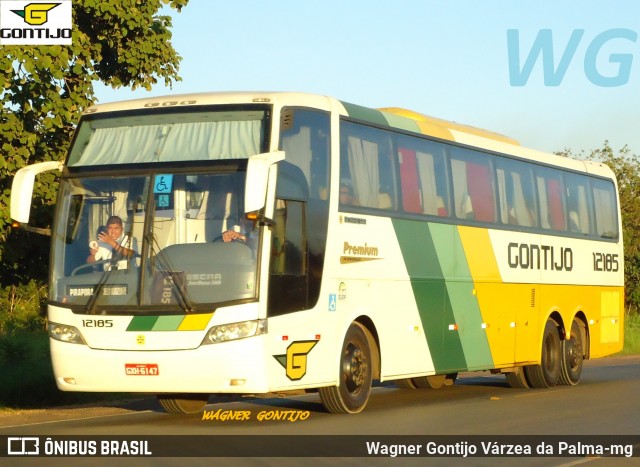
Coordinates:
(109, 266)
(165, 267)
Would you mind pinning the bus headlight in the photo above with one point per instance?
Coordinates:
(65, 333)
(233, 331)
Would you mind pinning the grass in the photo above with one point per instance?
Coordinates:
(26, 375)
(631, 334)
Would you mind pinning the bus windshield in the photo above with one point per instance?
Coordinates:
(153, 240)
(130, 138)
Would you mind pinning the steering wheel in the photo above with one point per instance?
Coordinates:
(219, 239)
(89, 265)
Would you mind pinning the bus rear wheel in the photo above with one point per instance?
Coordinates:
(547, 374)
(183, 403)
(352, 392)
(572, 355)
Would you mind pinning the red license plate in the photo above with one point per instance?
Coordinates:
(141, 369)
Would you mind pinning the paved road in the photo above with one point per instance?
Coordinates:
(606, 402)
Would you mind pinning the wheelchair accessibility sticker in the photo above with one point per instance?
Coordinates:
(333, 302)
(163, 184)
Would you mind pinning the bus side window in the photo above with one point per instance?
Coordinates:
(551, 200)
(362, 156)
(577, 203)
(410, 181)
(368, 163)
(604, 200)
(423, 180)
(516, 194)
(387, 168)
(433, 183)
(473, 187)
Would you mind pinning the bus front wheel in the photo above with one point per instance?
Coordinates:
(352, 392)
(183, 403)
(547, 374)
(517, 379)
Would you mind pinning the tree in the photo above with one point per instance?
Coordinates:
(626, 167)
(46, 88)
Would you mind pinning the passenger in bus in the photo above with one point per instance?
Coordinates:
(346, 195)
(113, 237)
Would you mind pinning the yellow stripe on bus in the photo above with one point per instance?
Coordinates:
(195, 322)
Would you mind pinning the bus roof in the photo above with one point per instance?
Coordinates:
(394, 117)
(428, 125)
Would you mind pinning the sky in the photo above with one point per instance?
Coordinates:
(449, 59)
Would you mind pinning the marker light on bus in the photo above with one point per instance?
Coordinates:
(65, 333)
(234, 331)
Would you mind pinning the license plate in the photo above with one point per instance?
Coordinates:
(141, 369)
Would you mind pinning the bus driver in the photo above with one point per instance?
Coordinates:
(115, 238)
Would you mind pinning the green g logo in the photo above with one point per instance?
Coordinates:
(295, 360)
(35, 14)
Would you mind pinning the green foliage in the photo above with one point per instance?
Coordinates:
(626, 167)
(45, 89)
(631, 334)
(21, 308)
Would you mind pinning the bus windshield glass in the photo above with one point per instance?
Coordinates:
(126, 138)
(153, 240)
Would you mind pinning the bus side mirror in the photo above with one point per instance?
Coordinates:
(258, 170)
(22, 188)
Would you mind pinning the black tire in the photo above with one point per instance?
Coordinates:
(427, 382)
(430, 382)
(352, 393)
(572, 357)
(547, 374)
(517, 379)
(183, 403)
(406, 383)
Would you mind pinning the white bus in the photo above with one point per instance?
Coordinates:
(273, 242)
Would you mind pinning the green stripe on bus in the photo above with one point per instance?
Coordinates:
(142, 323)
(402, 123)
(430, 292)
(462, 296)
(168, 323)
(365, 113)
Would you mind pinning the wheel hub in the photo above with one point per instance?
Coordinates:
(356, 368)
